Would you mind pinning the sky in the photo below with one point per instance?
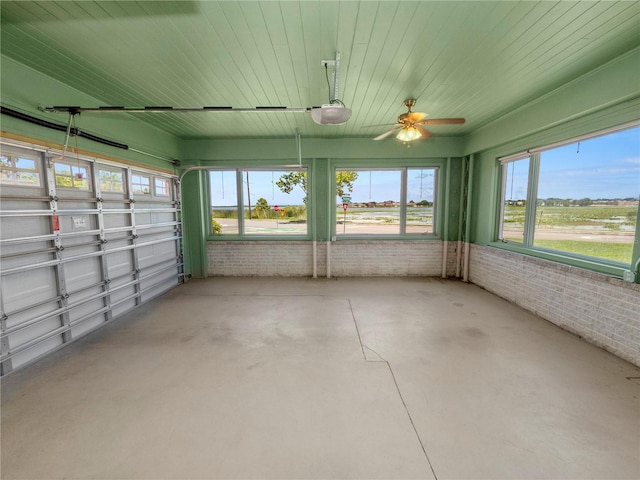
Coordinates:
(601, 167)
(371, 185)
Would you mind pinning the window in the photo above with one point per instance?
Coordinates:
(579, 198)
(72, 175)
(111, 179)
(515, 182)
(19, 170)
(255, 202)
(224, 202)
(140, 184)
(421, 191)
(385, 201)
(162, 187)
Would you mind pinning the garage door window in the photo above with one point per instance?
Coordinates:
(18, 170)
(72, 175)
(111, 180)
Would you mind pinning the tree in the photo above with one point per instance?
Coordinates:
(288, 181)
(216, 228)
(262, 208)
(344, 182)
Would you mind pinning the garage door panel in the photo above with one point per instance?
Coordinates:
(17, 256)
(73, 225)
(85, 309)
(87, 325)
(116, 220)
(39, 249)
(73, 247)
(119, 263)
(18, 319)
(25, 226)
(123, 299)
(157, 284)
(28, 288)
(23, 337)
(81, 273)
(36, 351)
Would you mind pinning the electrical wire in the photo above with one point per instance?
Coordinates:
(326, 71)
(331, 100)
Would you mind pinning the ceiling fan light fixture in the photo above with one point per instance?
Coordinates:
(330, 114)
(408, 134)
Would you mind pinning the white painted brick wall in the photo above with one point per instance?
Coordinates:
(260, 259)
(348, 258)
(364, 258)
(601, 309)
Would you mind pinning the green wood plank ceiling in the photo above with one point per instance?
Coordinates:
(477, 60)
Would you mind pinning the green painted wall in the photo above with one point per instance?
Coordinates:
(24, 89)
(580, 106)
(607, 97)
(195, 223)
(284, 149)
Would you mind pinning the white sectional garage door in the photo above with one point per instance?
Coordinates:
(82, 241)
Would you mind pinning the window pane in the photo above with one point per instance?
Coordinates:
(514, 198)
(588, 193)
(140, 184)
(275, 202)
(224, 202)
(25, 163)
(63, 169)
(421, 186)
(80, 177)
(18, 170)
(71, 176)
(111, 181)
(375, 202)
(28, 178)
(162, 187)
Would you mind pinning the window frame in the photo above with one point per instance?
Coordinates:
(167, 184)
(74, 163)
(135, 173)
(112, 169)
(14, 156)
(240, 203)
(403, 168)
(597, 264)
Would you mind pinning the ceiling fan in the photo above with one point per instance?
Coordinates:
(410, 124)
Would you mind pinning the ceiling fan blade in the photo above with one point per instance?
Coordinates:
(441, 121)
(423, 131)
(386, 134)
(415, 116)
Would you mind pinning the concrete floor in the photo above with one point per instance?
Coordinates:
(333, 379)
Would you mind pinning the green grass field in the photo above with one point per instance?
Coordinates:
(611, 217)
(618, 252)
(612, 220)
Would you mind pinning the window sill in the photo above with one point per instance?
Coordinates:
(605, 267)
(259, 238)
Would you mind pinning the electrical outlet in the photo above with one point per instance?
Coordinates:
(328, 63)
(629, 276)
